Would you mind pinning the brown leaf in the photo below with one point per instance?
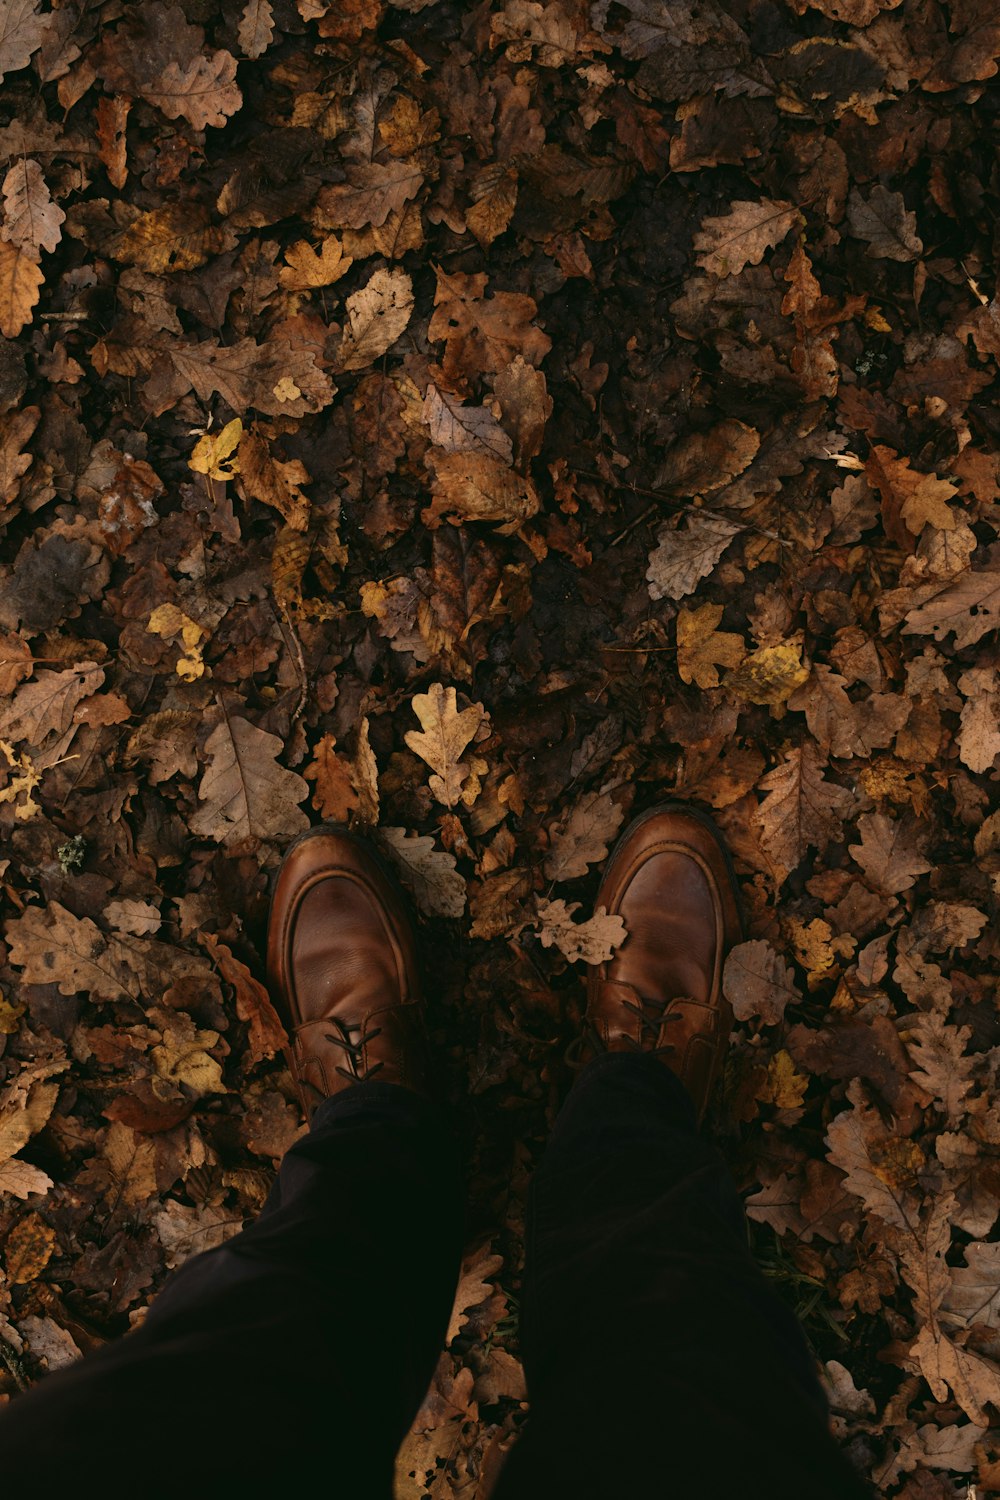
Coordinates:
(377, 315)
(483, 334)
(305, 269)
(888, 852)
(372, 191)
(478, 487)
(592, 941)
(730, 241)
(112, 117)
(31, 220)
(582, 836)
(445, 734)
(334, 797)
(20, 284)
(802, 810)
(22, 32)
(15, 430)
(203, 90)
(525, 407)
(702, 649)
(256, 28)
(248, 797)
(274, 481)
(757, 982)
(48, 703)
(458, 428)
(885, 223)
(431, 874)
(253, 1003)
(684, 557)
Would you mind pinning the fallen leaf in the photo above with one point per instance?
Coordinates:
(740, 237)
(445, 735)
(582, 836)
(377, 315)
(592, 941)
(431, 874)
(247, 796)
(757, 982)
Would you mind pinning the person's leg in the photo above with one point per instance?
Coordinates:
(300, 1348)
(658, 1359)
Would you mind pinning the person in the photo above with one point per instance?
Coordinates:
(658, 1359)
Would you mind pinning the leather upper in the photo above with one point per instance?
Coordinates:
(669, 878)
(342, 967)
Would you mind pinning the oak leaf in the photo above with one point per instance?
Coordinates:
(593, 941)
(20, 284)
(682, 558)
(185, 1231)
(31, 219)
(203, 90)
(979, 731)
(256, 28)
(431, 874)
(20, 1179)
(802, 810)
(183, 1056)
(885, 223)
(15, 430)
(247, 795)
(730, 241)
(582, 836)
(757, 982)
(22, 32)
(377, 315)
(372, 191)
(47, 704)
(446, 733)
(483, 334)
(969, 605)
(880, 1169)
(478, 487)
(334, 797)
(52, 946)
(131, 1161)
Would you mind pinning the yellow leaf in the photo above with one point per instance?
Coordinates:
(769, 675)
(167, 620)
(783, 1087)
(215, 453)
(9, 1016)
(286, 389)
(183, 1057)
(24, 781)
(29, 1249)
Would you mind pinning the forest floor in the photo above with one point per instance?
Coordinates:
(610, 394)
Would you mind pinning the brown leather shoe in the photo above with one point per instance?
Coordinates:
(671, 879)
(341, 962)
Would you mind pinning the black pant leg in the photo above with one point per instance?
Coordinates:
(300, 1348)
(659, 1361)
